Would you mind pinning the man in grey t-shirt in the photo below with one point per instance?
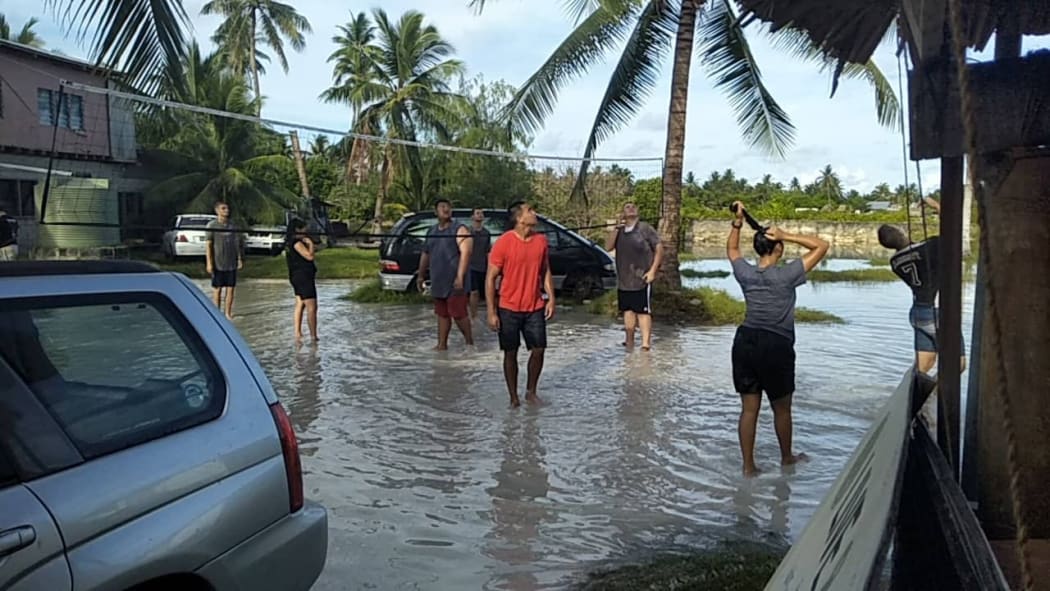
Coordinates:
(764, 346)
(479, 258)
(224, 255)
(638, 257)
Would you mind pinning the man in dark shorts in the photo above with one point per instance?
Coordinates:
(520, 258)
(916, 264)
(446, 258)
(224, 256)
(638, 256)
(479, 258)
(764, 346)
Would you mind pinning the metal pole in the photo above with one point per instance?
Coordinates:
(57, 114)
(949, 326)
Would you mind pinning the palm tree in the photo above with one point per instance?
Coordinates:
(211, 157)
(829, 184)
(138, 37)
(397, 83)
(320, 147)
(646, 29)
(250, 23)
(26, 36)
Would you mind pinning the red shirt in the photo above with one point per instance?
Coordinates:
(523, 263)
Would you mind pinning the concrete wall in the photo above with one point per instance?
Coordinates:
(848, 239)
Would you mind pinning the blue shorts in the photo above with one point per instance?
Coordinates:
(477, 281)
(923, 320)
(223, 278)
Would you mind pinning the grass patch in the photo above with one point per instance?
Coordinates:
(372, 292)
(730, 567)
(341, 262)
(879, 262)
(694, 274)
(701, 306)
(852, 275)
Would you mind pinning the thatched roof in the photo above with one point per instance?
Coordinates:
(852, 29)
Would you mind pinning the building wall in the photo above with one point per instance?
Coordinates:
(20, 126)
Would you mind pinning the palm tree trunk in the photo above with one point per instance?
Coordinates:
(255, 70)
(674, 154)
(384, 186)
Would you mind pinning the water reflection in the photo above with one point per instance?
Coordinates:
(432, 482)
(520, 506)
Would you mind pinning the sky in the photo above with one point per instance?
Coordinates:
(511, 38)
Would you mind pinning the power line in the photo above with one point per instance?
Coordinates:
(277, 122)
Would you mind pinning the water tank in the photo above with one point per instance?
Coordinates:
(78, 201)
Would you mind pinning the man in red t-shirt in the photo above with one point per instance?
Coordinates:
(520, 257)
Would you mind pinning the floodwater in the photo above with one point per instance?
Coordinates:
(432, 481)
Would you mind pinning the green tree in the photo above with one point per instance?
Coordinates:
(136, 37)
(25, 36)
(829, 185)
(208, 157)
(250, 23)
(402, 94)
(647, 29)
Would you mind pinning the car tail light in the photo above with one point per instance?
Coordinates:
(390, 266)
(293, 467)
(181, 238)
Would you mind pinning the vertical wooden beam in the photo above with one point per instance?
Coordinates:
(949, 325)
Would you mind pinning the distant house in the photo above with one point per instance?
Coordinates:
(94, 165)
(883, 206)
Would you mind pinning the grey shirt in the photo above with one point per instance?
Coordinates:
(635, 251)
(443, 248)
(479, 256)
(226, 246)
(770, 295)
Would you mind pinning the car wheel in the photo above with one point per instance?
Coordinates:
(584, 286)
(412, 287)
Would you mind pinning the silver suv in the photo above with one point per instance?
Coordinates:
(141, 445)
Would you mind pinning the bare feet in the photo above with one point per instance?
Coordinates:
(229, 317)
(751, 471)
(793, 459)
(531, 398)
(514, 401)
(441, 348)
(298, 339)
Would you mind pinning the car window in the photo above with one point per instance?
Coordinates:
(195, 222)
(115, 370)
(555, 240)
(7, 471)
(420, 227)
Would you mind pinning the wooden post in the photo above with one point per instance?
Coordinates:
(949, 325)
(300, 166)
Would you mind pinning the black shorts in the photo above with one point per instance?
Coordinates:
(638, 301)
(514, 325)
(763, 361)
(224, 278)
(477, 281)
(303, 285)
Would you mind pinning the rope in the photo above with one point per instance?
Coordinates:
(1001, 391)
(904, 147)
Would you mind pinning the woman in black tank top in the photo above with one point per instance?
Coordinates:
(301, 273)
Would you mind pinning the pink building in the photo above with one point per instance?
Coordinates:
(45, 123)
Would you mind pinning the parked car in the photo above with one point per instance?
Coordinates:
(268, 239)
(142, 446)
(187, 237)
(579, 266)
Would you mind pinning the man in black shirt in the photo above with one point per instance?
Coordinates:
(916, 264)
(8, 237)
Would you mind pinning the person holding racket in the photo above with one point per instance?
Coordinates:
(764, 346)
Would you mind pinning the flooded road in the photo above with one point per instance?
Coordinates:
(433, 482)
